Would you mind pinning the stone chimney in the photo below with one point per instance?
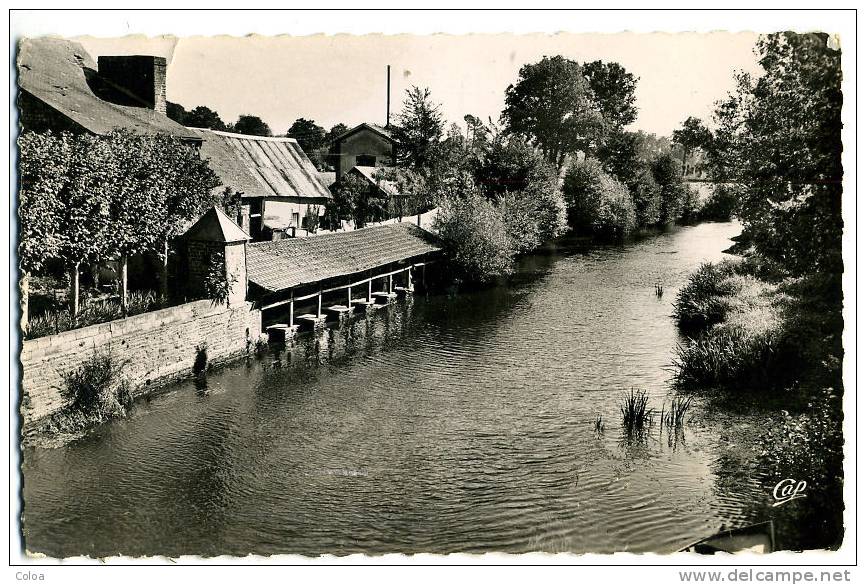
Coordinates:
(140, 79)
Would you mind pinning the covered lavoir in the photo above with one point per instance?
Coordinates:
(301, 282)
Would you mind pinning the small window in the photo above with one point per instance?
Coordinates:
(365, 160)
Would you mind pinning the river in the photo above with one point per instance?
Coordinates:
(446, 423)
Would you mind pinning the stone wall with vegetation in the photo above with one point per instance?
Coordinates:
(153, 348)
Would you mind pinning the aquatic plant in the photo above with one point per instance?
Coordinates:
(636, 415)
(675, 416)
(599, 424)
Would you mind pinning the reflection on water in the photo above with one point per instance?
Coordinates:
(446, 423)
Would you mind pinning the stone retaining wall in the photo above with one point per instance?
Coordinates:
(156, 346)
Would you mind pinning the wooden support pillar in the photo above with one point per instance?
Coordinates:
(349, 304)
(369, 290)
(292, 313)
(424, 276)
(319, 309)
(409, 278)
(390, 283)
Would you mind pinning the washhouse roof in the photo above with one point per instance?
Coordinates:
(294, 262)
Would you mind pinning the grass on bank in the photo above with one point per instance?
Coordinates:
(736, 328)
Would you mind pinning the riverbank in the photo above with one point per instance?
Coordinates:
(776, 341)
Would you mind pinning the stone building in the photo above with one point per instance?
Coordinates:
(365, 145)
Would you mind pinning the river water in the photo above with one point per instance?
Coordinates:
(446, 423)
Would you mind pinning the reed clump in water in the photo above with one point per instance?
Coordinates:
(599, 425)
(675, 416)
(636, 414)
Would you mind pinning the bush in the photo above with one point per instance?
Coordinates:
(615, 216)
(597, 203)
(95, 392)
(475, 237)
(741, 338)
(722, 204)
(702, 301)
(728, 355)
(532, 219)
(691, 210)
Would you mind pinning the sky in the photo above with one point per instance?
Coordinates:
(342, 78)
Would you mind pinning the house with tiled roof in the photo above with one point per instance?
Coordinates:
(61, 88)
(278, 185)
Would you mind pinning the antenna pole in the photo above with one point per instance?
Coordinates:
(388, 100)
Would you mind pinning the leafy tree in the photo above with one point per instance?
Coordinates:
(597, 203)
(251, 125)
(357, 199)
(646, 194)
(176, 112)
(204, 117)
(510, 165)
(107, 197)
(552, 106)
(475, 237)
(331, 159)
(310, 136)
(672, 192)
(420, 128)
(335, 131)
(784, 132)
(64, 203)
(691, 136)
(613, 90)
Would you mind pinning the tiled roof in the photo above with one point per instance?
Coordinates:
(294, 262)
(56, 72)
(216, 226)
(259, 166)
(381, 130)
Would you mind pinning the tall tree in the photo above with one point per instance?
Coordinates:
(692, 136)
(64, 203)
(204, 117)
(310, 136)
(613, 92)
(784, 128)
(252, 125)
(176, 112)
(420, 127)
(552, 105)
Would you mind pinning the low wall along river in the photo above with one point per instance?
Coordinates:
(156, 347)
